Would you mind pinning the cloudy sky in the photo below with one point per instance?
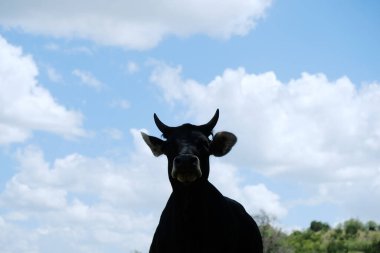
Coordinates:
(297, 81)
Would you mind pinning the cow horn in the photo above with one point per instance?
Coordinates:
(165, 130)
(207, 128)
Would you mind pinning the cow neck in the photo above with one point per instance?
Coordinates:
(193, 189)
(190, 197)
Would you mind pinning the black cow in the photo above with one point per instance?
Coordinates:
(197, 217)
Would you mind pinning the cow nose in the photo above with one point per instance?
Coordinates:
(185, 160)
(186, 168)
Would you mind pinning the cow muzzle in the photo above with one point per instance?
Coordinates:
(186, 168)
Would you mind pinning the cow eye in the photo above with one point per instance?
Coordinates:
(170, 147)
(203, 144)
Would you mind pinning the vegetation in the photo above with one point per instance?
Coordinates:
(352, 236)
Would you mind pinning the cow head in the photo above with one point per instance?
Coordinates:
(188, 148)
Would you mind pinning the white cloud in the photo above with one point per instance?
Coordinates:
(9, 134)
(53, 74)
(313, 131)
(27, 106)
(121, 103)
(114, 133)
(9, 233)
(88, 79)
(132, 67)
(86, 204)
(254, 198)
(69, 50)
(52, 47)
(133, 24)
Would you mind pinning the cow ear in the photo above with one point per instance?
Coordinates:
(222, 143)
(154, 144)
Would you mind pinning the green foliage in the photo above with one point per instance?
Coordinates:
(307, 241)
(273, 238)
(352, 227)
(372, 226)
(336, 246)
(374, 247)
(317, 226)
(352, 236)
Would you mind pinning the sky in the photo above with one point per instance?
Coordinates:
(298, 82)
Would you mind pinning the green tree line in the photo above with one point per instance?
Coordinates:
(351, 236)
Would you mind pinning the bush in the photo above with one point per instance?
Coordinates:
(336, 246)
(352, 236)
(374, 247)
(317, 226)
(371, 226)
(352, 227)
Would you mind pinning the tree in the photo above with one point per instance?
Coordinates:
(352, 236)
(317, 226)
(371, 226)
(273, 238)
(306, 241)
(352, 227)
(336, 246)
(374, 247)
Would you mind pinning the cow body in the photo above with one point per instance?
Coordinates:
(197, 217)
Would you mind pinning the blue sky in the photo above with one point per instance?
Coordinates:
(296, 81)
